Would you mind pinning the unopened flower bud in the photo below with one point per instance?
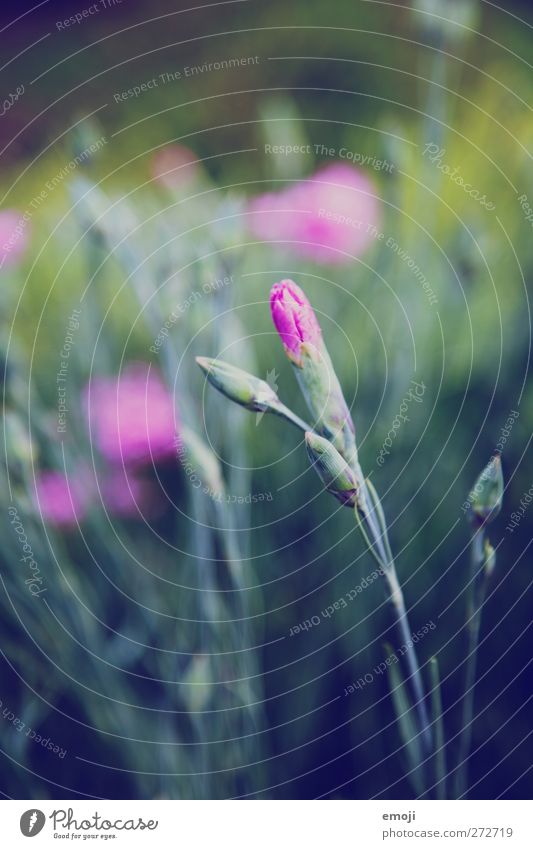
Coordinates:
(238, 385)
(298, 327)
(336, 474)
(295, 320)
(487, 494)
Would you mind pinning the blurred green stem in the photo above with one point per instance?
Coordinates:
(376, 529)
(475, 600)
(440, 752)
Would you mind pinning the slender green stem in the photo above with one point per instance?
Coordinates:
(285, 413)
(439, 760)
(377, 527)
(476, 597)
(402, 623)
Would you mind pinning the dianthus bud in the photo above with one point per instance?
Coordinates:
(295, 320)
(238, 385)
(336, 474)
(487, 493)
(298, 327)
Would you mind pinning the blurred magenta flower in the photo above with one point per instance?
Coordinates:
(175, 166)
(62, 501)
(13, 237)
(328, 217)
(131, 417)
(294, 318)
(129, 496)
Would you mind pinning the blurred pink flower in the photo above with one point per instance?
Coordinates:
(13, 237)
(62, 501)
(293, 317)
(129, 496)
(327, 217)
(175, 166)
(131, 417)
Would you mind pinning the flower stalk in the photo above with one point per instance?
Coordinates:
(486, 500)
(332, 449)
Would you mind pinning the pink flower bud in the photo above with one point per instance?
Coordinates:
(294, 318)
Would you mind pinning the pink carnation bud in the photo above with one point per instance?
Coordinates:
(294, 318)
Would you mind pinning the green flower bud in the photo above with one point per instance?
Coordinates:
(238, 385)
(336, 474)
(487, 493)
